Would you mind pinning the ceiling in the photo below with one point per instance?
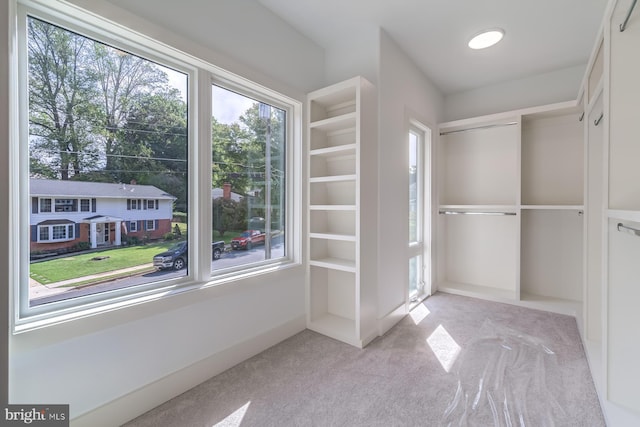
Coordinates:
(541, 35)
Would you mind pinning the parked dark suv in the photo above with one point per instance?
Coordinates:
(176, 256)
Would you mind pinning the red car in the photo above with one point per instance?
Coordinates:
(247, 239)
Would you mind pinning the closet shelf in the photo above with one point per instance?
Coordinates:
(497, 208)
(333, 178)
(335, 264)
(333, 236)
(332, 207)
(480, 291)
(336, 327)
(554, 207)
(344, 121)
(626, 215)
(337, 150)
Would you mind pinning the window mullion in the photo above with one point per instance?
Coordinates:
(200, 160)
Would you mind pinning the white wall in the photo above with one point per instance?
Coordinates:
(405, 93)
(113, 366)
(556, 86)
(358, 56)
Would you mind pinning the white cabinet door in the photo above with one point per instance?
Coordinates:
(623, 326)
(623, 288)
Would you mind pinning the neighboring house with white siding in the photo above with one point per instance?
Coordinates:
(65, 213)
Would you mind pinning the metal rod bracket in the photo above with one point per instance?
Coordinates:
(629, 230)
(623, 26)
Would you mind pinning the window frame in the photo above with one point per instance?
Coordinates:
(44, 202)
(69, 232)
(63, 205)
(258, 94)
(201, 74)
(420, 248)
(80, 204)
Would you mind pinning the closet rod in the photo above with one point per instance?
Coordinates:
(479, 127)
(628, 230)
(623, 26)
(475, 213)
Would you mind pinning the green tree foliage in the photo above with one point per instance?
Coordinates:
(229, 215)
(239, 155)
(229, 160)
(100, 114)
(153, 145)
(121, 78)
(60, 99)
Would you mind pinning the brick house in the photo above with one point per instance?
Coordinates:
(64, 213)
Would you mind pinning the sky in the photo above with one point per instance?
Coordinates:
(226, 106)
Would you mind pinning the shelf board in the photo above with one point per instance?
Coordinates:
(478, 291)
(350, 103)
(337, 150)
(336, 327)
(333, 178)
(332, 207)
(343, 121)
(335, 264)
(333, 236)
(625, 215)
(554, 207)
(480, 207)
(555, 305)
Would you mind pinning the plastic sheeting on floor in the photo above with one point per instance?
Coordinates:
(506, 378)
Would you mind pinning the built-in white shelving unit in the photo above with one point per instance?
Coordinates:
(511, 204)
(342, 161)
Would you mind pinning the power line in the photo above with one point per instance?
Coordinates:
(119, 155)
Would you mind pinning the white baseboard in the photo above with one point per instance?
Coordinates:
(387, 322)
(136, 403)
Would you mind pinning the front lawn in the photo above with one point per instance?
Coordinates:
(74, 266)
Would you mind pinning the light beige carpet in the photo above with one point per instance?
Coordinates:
(454, 361)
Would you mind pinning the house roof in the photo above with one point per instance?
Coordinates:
(219, 192)
(59, 188)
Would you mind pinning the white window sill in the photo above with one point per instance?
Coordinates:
(217, 286)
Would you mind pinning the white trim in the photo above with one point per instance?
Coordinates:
(388, 321)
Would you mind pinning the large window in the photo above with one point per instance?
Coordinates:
(115, 173)
(104, 125)
(248, 179)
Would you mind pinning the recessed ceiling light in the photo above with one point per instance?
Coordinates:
(486, 38)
